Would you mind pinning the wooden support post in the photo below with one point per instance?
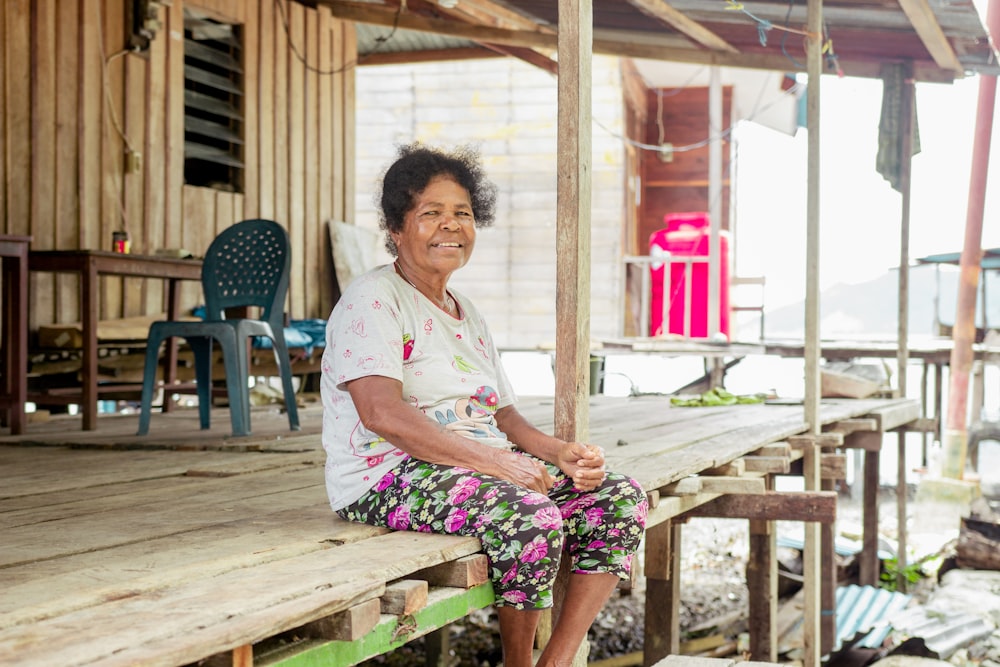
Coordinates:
(901, 582)
(573, 205)
(812, 635)
(868, 568)
(811, 350)
(663, 591)
(828, 587)
(438, 647)
(243, 656)
(762, 588)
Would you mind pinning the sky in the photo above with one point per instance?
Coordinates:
(860, 214)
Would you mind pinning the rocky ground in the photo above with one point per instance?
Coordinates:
(714, 596)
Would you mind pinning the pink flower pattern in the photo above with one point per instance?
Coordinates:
(523, 533)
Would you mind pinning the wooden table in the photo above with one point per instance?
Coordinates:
(90, 265)
(14, 253)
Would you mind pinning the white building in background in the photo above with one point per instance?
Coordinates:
(508, 109)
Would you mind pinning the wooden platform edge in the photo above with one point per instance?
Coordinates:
(444, 605)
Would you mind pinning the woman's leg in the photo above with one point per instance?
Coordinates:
(517, 634)
(603, 529)
(585, 595)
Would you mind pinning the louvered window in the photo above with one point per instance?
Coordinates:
(213, 103)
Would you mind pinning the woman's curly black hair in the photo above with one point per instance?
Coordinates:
(414, 169)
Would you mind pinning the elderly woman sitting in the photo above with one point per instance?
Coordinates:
(422, 433)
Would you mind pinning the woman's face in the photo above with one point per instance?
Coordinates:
(439, 231)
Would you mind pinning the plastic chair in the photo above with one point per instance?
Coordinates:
(247, 265)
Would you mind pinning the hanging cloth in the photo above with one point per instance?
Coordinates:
(888, 161)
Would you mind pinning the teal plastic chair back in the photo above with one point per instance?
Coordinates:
(246, 266)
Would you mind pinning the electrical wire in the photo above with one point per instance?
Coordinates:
(698, 144)
(380, 42)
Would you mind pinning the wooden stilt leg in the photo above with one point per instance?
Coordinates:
(663, 591)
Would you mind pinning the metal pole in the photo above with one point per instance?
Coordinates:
(955, 439)
(715, 258)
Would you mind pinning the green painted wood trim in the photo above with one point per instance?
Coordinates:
(444, 606)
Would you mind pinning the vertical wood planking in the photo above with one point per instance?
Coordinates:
(112, 147)
(67, 221)
(17, 46)
(199, 216)
(89, 158)
(251, 129)
(337, 104)
(134, 97)
(346, 165)
(280, 119)
(310, 242)
(296, 156)
(324, 150)
(43, 146)
(71, 100)
(16, 117)
(265, 105)
(155, 164)
(174, 139)
(223, 211)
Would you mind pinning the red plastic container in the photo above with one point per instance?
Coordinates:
(687, 235)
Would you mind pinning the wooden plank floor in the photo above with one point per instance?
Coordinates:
(168, 548)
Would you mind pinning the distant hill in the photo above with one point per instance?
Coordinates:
(868, 310)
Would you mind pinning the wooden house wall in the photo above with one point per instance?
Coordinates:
(681, 184)
(72, 100)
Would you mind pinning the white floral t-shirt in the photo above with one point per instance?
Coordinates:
(450, 370)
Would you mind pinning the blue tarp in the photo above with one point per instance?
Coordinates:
(307, 334)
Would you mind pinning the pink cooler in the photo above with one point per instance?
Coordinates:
(687, 235)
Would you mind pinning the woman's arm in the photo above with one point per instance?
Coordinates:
(379, 402)
(582, 462)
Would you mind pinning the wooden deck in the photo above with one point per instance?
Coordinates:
(177, 546)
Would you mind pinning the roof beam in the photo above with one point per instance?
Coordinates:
(609, 43)
(486, 12)
(695, 31)
(430, 55)
(929, 30)
(387, 16)
(526, 54)
(529, 56)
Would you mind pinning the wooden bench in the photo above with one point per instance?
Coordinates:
(169, 557)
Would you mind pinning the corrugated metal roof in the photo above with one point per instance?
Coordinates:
(863, 615)
(943, 632)
(383, 39)
(991, 258)
(862, 609)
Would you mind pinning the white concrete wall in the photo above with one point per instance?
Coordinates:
(508, 109)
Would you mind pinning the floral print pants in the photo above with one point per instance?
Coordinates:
(523, 532)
